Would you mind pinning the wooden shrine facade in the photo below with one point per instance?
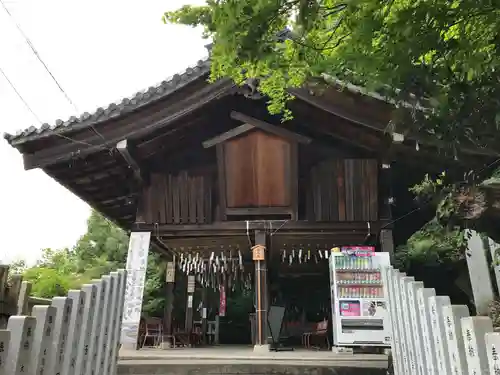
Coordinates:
(203, 166)
(256, 175)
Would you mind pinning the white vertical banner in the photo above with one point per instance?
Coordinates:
(137, 261)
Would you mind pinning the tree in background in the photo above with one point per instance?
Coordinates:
(102, 249)
(438, 61)
(440, 57)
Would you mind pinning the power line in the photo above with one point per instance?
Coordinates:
(19, 95)
(35, 115)
(35, 52)
(428, 203)
(28, 41)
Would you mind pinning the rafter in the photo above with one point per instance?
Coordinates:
(124, 149)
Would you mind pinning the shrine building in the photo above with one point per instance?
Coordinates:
(232, 197)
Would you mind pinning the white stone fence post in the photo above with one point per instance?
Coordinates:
(74, 335)
(430, 336)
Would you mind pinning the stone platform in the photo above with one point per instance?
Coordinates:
(243, 360)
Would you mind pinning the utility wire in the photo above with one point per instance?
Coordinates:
(497, 160)
(19, 95)
(35, 115)
(35, 52)
(28, 41)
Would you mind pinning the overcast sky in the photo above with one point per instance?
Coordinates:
(99, 51)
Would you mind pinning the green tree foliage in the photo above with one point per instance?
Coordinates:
(102, 249)
(432, 244)
(439, 55)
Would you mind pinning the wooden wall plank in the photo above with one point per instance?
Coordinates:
(169, 204)
(148, 204)
(334, 201)
(176, 200)
(272, 162)
(358, 185)
(373, 189)
(365, 169)
(163, 198)
(341, 190)
(184, 196)
(156, 198)
(348, 165)
(326, 177)
(316, 189)
(192, 199)
(310, 215)
(221, 178)
(344, 190)
(200, 212)
(208, 187)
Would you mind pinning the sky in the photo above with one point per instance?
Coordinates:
(99, 51)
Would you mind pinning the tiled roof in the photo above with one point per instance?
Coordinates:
(126, 105)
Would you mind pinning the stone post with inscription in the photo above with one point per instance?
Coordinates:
(405, 360)
(493, 350)
(423, 296)
(412, 289)
(22, 330)
(452, 315)
(137, 260)
(474, 330)
(479, 272)
(436, 304)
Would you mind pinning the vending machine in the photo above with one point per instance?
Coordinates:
(359, 306)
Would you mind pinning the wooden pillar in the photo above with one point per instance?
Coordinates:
(169, 305)
(261, 289)
(385, 184)
(189, 307)
(204, 312)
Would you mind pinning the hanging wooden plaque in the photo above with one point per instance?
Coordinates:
(170, 272)
(258, 252)
(191, 284)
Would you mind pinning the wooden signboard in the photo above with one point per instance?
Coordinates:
(191, 284)
(258, 252)
(170, 272)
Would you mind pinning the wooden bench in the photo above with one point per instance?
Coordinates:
(320, 332)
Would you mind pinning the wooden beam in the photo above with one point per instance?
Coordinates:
(232, 228)
(253, 123)
(228, 135)
(124, 149)
(279, 131)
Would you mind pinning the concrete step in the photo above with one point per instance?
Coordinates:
(253, 367)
